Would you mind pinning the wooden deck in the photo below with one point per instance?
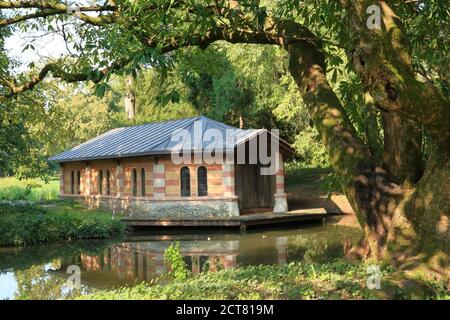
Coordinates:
(242, 222)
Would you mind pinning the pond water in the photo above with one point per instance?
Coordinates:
(43, 271)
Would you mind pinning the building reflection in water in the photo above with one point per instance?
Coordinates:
(141, 259)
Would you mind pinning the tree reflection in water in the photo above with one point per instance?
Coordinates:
(37, 283)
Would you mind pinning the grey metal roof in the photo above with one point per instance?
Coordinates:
(160, 138)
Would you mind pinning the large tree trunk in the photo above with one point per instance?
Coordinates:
(402, 154)
(382, 58)
(390, 198)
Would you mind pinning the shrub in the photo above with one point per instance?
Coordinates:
(19, 207)
(174, 259)
(24, 223)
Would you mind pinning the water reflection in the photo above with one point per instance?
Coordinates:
(41, 272)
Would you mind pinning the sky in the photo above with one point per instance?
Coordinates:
(46, 46)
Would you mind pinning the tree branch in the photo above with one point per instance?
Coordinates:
(57, 71)
(47, 9)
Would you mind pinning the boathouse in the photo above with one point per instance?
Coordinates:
(189, 163)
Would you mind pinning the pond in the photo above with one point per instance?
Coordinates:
(42, 272)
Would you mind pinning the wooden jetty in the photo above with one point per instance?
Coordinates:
(242, 222)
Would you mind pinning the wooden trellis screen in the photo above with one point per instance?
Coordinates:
(253, 189)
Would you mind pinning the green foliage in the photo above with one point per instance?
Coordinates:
(32, 190)
(25, 223)
(296, 280)
(310, 150)
(174, 260)
(35, 284)
(18, 147)
(73, 116)
(427, 29)
(21, 207)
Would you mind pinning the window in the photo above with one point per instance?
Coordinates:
(78, 182)
(143, 182)
(134, 182)
(108, 182)
(100, 182)
(185, 178)
(202, 181)
(72, 183)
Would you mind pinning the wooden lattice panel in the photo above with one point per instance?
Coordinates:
(254, 190)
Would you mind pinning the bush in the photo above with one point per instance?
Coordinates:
(24, 223)
(310, 149)
(174, 260)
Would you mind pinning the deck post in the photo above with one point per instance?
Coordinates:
(280, 197)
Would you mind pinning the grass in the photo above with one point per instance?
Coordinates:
(25, 223)
(296, 280)
(310, 182)
(32, 190)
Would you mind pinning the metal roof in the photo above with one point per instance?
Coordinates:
(192, 134)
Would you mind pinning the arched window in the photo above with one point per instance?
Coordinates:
(202, 181)
(78, 182)
(185, 178)
(100, 182)
(143, 182)
(134, 182)
(108, 182)
(72, 183)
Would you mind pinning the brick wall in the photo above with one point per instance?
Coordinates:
(104, 166)
(173, 183)
(162, 177)
(138, 164)
(66, 178)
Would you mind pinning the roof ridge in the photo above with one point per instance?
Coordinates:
(226, 126)
(156, 122)
(168, 139)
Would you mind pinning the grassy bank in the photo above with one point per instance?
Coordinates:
(296, 280)
(32, 190)
(24, 223)
(310, 182)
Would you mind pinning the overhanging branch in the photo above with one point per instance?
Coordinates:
(275, 33)
(58, 72)
(47, 9)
